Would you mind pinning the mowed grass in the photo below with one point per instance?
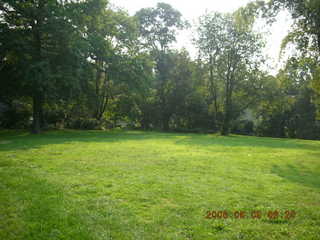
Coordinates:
(146, 185)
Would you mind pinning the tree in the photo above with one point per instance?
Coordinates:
(41, 52)
(209, 45)
(232, 52)
(110, 37)
(286, 107)
(305, 31)
(178, 88)
(158, 28)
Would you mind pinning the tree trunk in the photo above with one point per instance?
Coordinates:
(144, 124)
(213, 89)
(226, 121)
(228, 110)
(166, 126)
(162, 69)
(318, 40)
(37, 109)
(145, 121)
(37, 100)
(165, 123)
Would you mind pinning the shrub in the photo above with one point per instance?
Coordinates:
(244, 127)
(86, 124)
(16, 116)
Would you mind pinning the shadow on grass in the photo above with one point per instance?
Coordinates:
(11, 140)
(299, 175)
(40, 206)
(19, 140)
(34, 207)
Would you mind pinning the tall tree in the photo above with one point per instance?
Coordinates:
(158, 29)
(209, 43)
(114, 54)
(232, 51)
(41, 45)
(304, 33)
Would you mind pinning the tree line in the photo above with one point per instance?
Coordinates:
(90, 65)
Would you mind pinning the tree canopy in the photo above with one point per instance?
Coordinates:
(90, 65)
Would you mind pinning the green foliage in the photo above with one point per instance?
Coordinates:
(288, 103)
(158, 26)
(76, 61)
(86, 124)
(304, 34)
(41, 57)
(16, 115)
(232, 52)
(243, 127)
(306, 31)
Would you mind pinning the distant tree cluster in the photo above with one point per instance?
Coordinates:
(89, 65)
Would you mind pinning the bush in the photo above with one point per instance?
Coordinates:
(55, 116)
(86, 124)
(244, 127)
(16, 116)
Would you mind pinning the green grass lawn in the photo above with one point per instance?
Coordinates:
(145, 185)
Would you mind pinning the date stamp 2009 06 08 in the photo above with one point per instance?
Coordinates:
(256, 214)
